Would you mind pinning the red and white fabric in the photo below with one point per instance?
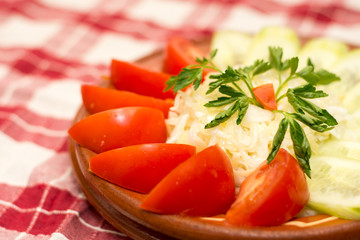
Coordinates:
(49, 48)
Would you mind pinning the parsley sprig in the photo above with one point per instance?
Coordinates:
(238, 99)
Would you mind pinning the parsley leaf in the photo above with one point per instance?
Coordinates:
(312, 122)
(241, 105)
(326, 77)
(308, 91)
(278, 139)
(321, 76)
(261, 67)
(221, 101)
(305, 111)
(301, 106)
(307, 73)
(192, 74)
(293, 64)
(275, 56)
(230, 91)
(186, 77)
(301, 145)
(229, 76)
(224, 115)
(309, 63)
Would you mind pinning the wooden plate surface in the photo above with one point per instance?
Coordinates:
(120, 206)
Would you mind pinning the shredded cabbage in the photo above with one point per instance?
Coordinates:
(247, 144)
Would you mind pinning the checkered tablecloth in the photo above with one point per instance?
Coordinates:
(48, 48)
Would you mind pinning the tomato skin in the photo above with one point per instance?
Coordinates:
(131, 77)
(120, 127)
(180, 53)
(201, 186)
(140, 167)
(97, 99)
(273, 194)
(265, 95)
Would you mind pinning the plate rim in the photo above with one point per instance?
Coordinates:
(138, 227)
(133, 224)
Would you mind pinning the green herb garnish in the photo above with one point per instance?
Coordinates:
(227, 83)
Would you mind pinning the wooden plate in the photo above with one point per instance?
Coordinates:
(120, 206)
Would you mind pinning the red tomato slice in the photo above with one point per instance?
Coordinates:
(180, 53)
(131, 77)
(120, 127)
(140, 167)
(97, 99)
(265, 95)
(201, 186)
(273, 194)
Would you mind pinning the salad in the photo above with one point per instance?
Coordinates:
(257, 130)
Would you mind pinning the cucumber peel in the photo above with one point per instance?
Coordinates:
(335, 184)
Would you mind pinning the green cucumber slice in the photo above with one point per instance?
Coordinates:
(352, 98)
(232, 47)
(340, 149)
(335, 183)
(276, 37)
(348, 68)
(323, 52)
(335, 186)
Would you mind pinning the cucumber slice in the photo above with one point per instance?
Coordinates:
(347, 131)
(348, 68)
(232, 47)
(340, 149)
(335, 186)
(273, 36)
(352, 98)
(323, 52)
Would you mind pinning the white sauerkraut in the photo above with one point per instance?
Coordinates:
(247, 144)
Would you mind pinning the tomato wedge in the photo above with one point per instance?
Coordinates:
(273, 194)
(265, 95)
(180, 53)
(131, 77)
(120, 127)
(97, 99)
(140, 167)
(201, 186)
